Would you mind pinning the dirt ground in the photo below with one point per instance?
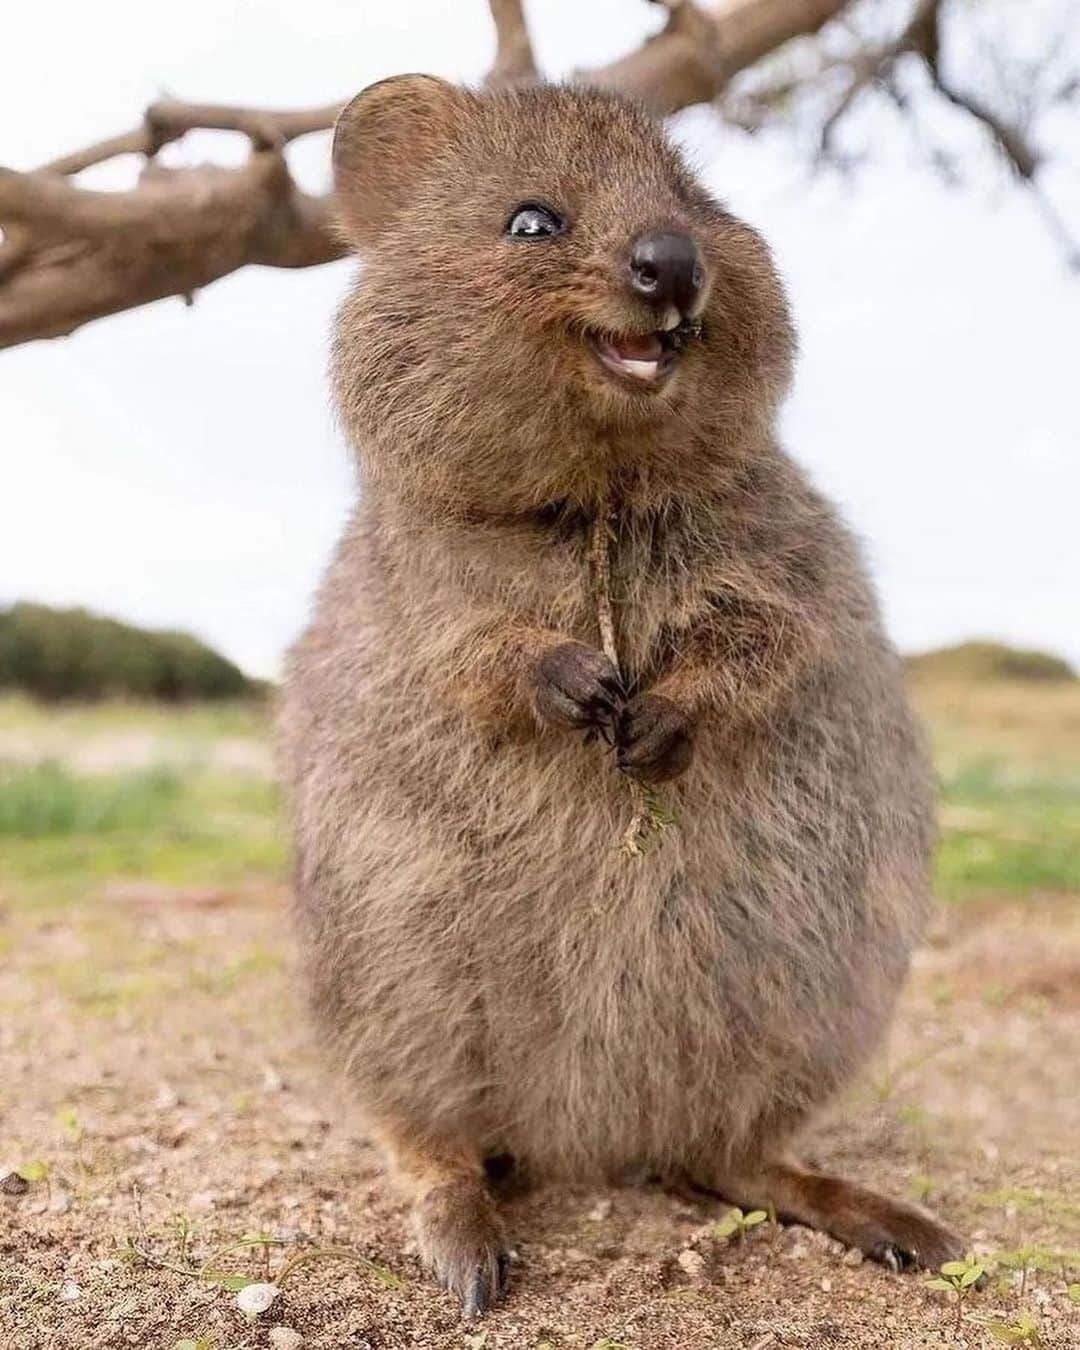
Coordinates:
(156, 1067)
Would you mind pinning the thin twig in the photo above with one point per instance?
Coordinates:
(170, 119)
(650, 817)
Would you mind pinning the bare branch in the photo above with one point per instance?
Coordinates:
(514, 60)
(699, 50)
(80, 255)
(68, 255)
(170, 119)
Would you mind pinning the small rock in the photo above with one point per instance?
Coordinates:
(826, 1285)
(70, 1291)
(272, 1080)
(692, 1263)
(60, 1201)
(254, 1299)
(285, 1338)
(600, 1211)
(167, 1098)
(13, 1183)
(852, 1257)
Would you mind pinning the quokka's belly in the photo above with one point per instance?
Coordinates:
(641, 1012)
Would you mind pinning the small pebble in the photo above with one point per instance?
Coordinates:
(285, 1338)
(167, 1098)
(256, 1298)
(70, 1291)
(13, 1183)
(693, 1263)
(272, 1080)
(600, 1211)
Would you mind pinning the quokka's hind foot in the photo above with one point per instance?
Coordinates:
(458, 1229)
(897, 1234)
(462, 1243)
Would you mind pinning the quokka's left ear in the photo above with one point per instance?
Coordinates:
(383, 140)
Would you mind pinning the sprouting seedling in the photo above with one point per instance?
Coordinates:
(735, 1223)
(957, 1278)
(1024, 1331)
(183, 1228)
(68, 1120)
(1022, 1259)
(254, 1295)
(37, 1170)
(652, 816)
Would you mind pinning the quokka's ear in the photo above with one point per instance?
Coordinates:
(383, 140)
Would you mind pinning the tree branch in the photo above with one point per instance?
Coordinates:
(698, 50)
(68, 255)
(170, 119)
(72, 255)
(514, 61)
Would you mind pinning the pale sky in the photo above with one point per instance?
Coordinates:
(180, 468)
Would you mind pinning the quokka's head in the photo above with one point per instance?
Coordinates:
(547, 293)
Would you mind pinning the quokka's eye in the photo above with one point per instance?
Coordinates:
(531, 222)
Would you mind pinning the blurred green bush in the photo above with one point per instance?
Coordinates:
(72, 654)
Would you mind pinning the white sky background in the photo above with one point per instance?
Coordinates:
(180, 467)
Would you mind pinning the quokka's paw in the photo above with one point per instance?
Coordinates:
(462, 1243)
(654, 739)
(905, 1237)
(576, 686)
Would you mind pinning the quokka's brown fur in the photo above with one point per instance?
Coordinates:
(491, 973)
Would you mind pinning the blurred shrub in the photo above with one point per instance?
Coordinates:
(975, 662)
(42, 800)
(68, 653)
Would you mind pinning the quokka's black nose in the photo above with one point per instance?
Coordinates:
(666, 268)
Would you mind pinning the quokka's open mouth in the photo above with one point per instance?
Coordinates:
(644, 358)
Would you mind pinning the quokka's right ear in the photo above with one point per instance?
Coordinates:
(383, 140)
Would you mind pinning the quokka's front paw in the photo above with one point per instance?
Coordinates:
(576, 686)
(462, 1243)
(653, 738)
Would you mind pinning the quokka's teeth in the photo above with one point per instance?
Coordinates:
(672, 319)
(641, 370)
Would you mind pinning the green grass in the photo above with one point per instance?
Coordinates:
(1007, 833)
(63, 832)
(45, 801)
(194, 724)
(192, 814)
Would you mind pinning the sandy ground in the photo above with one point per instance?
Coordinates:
(153, 1057)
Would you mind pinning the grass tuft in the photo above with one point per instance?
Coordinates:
(46, 800)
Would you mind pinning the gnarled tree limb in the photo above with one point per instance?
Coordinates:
(699, 49)
(68, 255)
(71, 255)
(514, 61)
